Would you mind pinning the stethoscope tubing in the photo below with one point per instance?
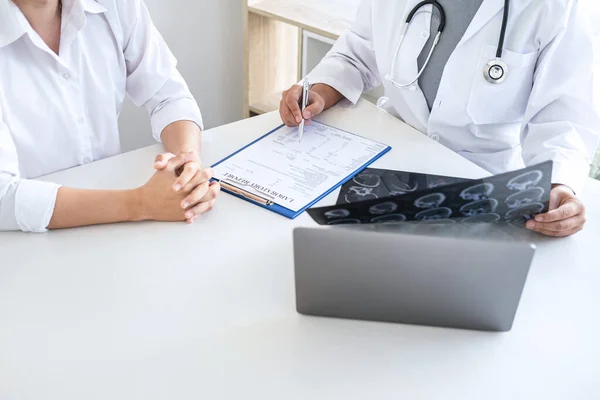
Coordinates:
(494, 63)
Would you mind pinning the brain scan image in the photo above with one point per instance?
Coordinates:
(383, 208)
(389, 219)
(430, 201)
(479, 207)
(383, 196)
(350, 221)
(367, 180)
(398, 185)
(433, 183)
(339, 213)
(533, 195)
(477, 192)
(526, 212)
(525, 181)
(434, 214)
(482, 219)
(358, 193)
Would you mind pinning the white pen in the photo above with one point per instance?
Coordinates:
(304, 104)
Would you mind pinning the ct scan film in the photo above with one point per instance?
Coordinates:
(375, 183)
(513, 197)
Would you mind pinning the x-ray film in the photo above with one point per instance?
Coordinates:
(375, 183)
(389, 197)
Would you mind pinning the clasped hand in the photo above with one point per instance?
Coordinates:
(179, 190)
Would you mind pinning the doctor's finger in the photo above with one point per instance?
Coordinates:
(292, 97)
(314, 108)
(286, 114)
(559, 234)
(567, 210)
(558, 226)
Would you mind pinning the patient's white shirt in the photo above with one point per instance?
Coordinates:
(61, 111)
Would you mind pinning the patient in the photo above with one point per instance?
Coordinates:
(65, 68)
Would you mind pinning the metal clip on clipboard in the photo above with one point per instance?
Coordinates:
(245, 193)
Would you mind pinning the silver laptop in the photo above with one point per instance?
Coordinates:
(383, 275)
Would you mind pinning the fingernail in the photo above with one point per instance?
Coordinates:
(307, 115)
(185, 204)
(177, 188)
(298, 119)
(189, 215)
(530, 225)
(539, 218)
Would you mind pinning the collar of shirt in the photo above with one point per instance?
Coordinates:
(13, 24)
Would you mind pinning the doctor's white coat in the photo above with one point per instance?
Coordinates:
(544, 109)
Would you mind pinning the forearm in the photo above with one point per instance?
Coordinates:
(78, 207)
(329, 94)
(181, 137)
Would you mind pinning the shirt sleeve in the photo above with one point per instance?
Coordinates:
(351, 67)
(562, 124)
(25, 205)
(153, 80)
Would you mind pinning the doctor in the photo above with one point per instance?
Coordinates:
(503, 83)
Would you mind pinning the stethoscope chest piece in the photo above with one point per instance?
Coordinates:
(495, 71)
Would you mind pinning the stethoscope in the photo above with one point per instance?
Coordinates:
(495, 71)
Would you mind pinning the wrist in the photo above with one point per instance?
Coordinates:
(331, 96)
(137, 209)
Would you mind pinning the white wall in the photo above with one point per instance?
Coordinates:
(206, 38)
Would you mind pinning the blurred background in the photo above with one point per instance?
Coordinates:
(206, 37)
(239, 55)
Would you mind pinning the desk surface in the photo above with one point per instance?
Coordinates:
(172, 311)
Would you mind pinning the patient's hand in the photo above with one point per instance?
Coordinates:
(191, 180)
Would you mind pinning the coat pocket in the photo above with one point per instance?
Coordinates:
(506, 102)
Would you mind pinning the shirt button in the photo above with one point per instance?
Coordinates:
(412, 88)
(81, 120)
(425, 34)
(435, 137)
(67, 76)
(87, 160)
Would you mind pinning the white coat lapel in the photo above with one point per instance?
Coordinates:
(488, 10)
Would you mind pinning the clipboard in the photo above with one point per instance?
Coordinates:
(269, 204)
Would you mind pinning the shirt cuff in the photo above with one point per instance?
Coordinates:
(177, 110)
(350, 90)
(571, 175)
(34, 205)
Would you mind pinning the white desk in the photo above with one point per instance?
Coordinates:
(170, 311)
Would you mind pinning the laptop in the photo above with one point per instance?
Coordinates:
(389, 276)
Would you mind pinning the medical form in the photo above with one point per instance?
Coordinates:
(294, 174)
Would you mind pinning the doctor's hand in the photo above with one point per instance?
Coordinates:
(289, 107)
(566, 215)
(191, 179)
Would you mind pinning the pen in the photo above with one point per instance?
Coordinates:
(304, 104)
(245, 194)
